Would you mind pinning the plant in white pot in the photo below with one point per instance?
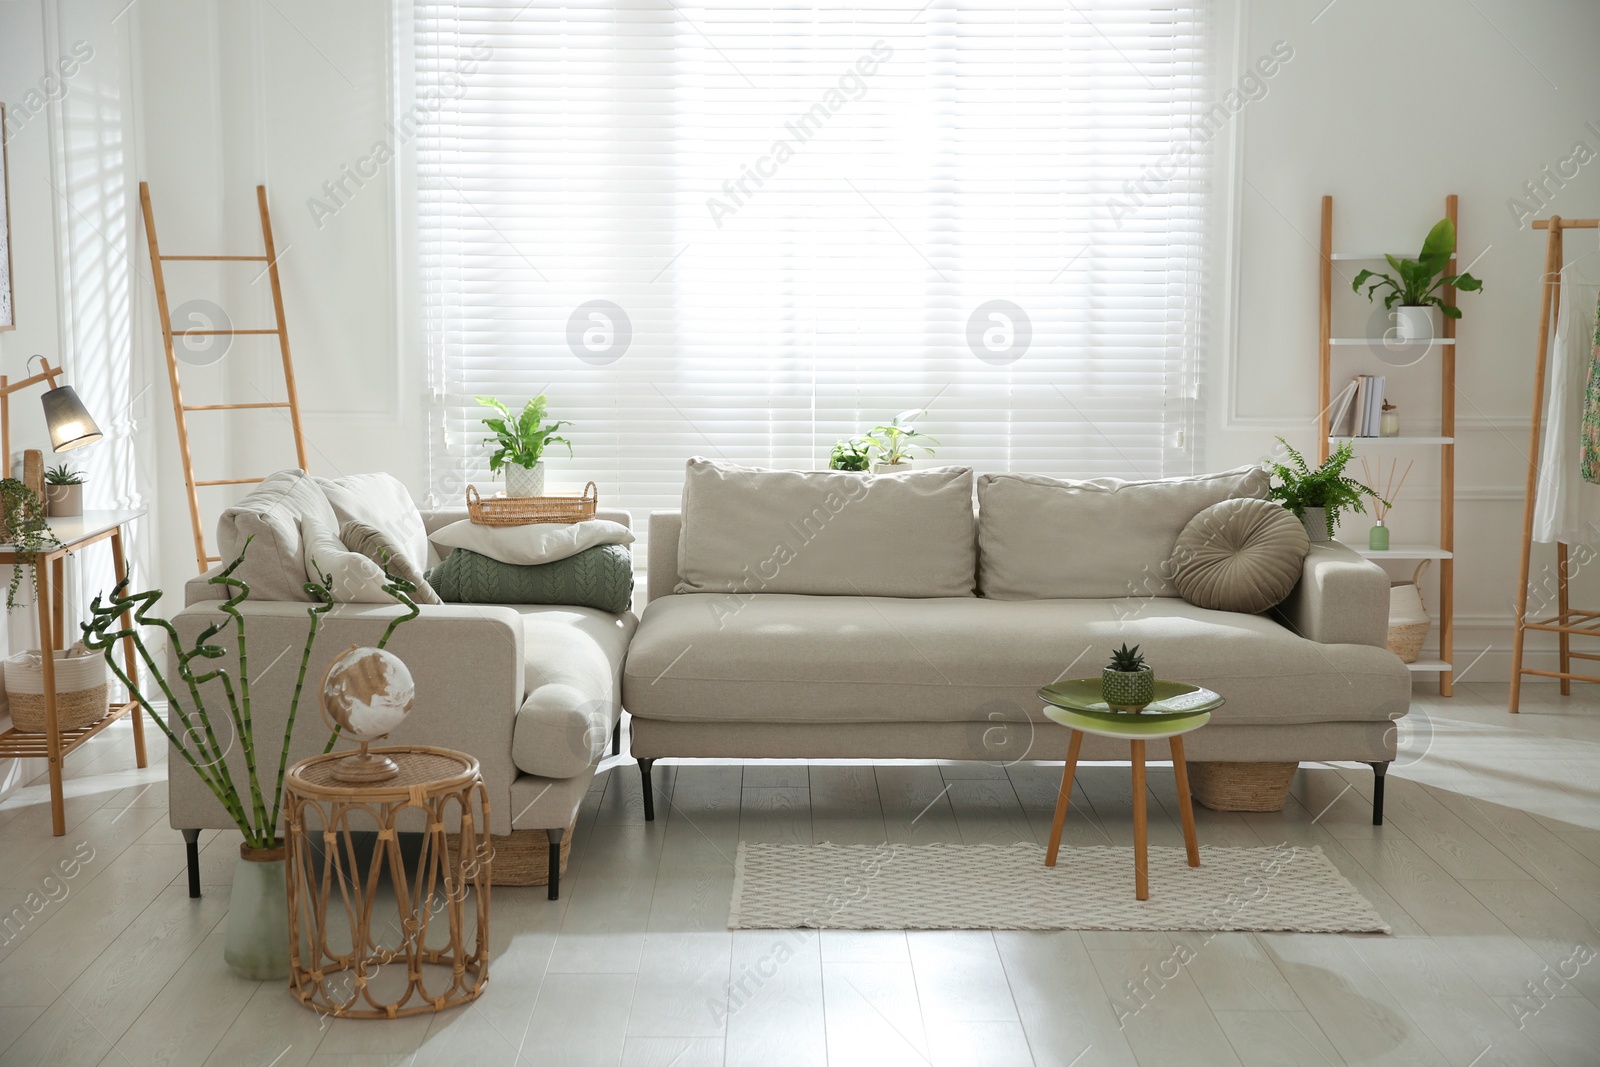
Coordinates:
(257, 945)
(1318, 497)
(1414, 294)
(520, 441)
(1127, 683)
(63, 492)
(896, 442)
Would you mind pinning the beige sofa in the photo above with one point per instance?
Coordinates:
(532, 691)
(730, 666)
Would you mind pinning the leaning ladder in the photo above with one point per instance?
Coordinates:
(181, 410)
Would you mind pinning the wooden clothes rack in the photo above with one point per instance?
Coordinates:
(181, 410)
(1567, 621)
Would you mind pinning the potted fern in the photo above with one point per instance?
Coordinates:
(1127, 683)
(1416, 289)
(896, 442)
(257, 945)
(520, 441)
(63, 492)
(1317, 497)
(851, 454)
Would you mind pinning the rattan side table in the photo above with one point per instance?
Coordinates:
(377, 931)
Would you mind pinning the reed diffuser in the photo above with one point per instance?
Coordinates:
(1378, 536)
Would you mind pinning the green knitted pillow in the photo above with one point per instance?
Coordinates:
(599, 577)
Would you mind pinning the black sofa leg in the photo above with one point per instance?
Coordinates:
(555, 862)
(191, 846)
(649, 790)
(1378, 770)
(616, 739)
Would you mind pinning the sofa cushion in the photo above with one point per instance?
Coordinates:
(381, 501)
(574, 662)
(268, 518)
(532, 543)
(749, 530)
(376, 546)
(352, 577)
(807, 659)
(1046, 538)
(600, 577)
(1240, 555)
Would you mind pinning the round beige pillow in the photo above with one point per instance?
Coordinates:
(1240, 555)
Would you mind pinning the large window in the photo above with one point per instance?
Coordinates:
(745, 229)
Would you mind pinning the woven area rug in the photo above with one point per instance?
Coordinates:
(1008, 887)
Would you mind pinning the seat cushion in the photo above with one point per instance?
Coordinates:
(268, 519)
(1047, 538)
(574, 663)
(748, 530)
(801, 659)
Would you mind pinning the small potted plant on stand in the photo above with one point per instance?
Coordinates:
(1416, 290)
(896, 442)
(1127, 683)
(63, 492)
(851, 454)
(520, 441)
(1317, 497)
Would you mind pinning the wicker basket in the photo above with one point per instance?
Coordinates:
(1241, 786)
(1409, 622)
(523, 510)
(83, 693)
(522, 857)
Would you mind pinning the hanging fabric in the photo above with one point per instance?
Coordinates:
(1568, 506)
(1590, 442)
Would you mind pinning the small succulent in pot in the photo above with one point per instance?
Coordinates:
(1127, 683)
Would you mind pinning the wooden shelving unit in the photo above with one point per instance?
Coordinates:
(1445, 441)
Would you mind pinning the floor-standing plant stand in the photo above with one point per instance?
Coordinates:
(1567, 622)
(387, 936)
(55, 744)
(1444, 441)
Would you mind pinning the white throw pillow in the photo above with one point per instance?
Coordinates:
(356, 579)
(539, 542)
(382, 502)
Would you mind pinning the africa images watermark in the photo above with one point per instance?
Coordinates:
(852, 85)
(52, 87)
(1541, 192)
(1252, 87)
(52, 890)
(341, 189)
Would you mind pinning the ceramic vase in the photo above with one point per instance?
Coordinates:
(1413, 323)
(892, 468)
(257, 947)
(1315, 521)
(63, 501)
(525, 481)
(1127, 690)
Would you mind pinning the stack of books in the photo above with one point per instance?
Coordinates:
(1358, 409)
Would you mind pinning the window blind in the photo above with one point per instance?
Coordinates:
(744, 230)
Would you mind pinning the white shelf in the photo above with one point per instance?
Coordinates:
(1387, 343)
(1403, 552)
(1372, 255)
(1403, 439)
(1429, 666)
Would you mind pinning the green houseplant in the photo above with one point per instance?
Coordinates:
(1415, 284)
(851, 454)
(1317, 497)
(63, 492)
(257, 944)
(520, 441)
(896, 442)
(22, 524)
(1127, 683)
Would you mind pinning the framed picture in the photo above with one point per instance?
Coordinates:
(8, 318)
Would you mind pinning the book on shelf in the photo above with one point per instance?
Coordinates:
(1358, 409)
(1341, 412)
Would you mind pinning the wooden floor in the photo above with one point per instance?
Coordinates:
(1488, 870)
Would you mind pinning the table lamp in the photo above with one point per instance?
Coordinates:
(68, 421)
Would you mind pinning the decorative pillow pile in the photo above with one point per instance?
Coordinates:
(355, 578)
(1240, 555)
(599, 577)
(377, 546)
(539, 542)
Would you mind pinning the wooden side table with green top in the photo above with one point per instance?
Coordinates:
(1178, 709)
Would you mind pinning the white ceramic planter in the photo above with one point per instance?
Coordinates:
(1315, 521)
(1414, 324)
(893, 468)
(525, 481)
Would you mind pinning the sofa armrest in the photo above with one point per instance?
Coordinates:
(666, 527)
(466, 660)
(1342, 598)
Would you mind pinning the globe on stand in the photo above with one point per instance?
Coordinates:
(366, 692)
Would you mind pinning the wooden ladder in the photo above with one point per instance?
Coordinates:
(181, 410)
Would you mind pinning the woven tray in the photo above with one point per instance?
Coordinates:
(1241, 786)
(521, 857)
(523, 510)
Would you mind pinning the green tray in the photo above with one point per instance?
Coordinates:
(1174, 700)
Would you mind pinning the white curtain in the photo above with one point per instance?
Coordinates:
(744, 230)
